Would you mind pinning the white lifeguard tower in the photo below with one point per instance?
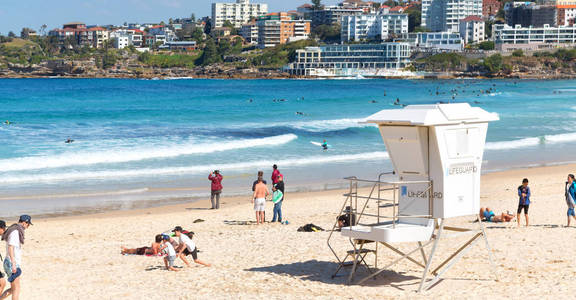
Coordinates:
(436, 151)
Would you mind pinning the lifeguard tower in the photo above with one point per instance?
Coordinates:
(436, 151)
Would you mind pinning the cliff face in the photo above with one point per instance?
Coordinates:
(89, 69)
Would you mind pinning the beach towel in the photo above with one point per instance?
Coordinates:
(569, 200)
(13, 227)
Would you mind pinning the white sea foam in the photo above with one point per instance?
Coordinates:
(514, 144)
(71, 176)
(313, 125)
(126, 154)
(532, 141)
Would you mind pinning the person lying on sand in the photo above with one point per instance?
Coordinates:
(486, 214)
(152, 250)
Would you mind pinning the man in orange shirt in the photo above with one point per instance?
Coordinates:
(259, 200)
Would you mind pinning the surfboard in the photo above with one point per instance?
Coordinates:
(319, 144)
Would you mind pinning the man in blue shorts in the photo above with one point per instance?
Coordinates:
(524, 200)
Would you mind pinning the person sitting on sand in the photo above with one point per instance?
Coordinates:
(187, 247)
(170, 253)
(152, 250)
(486, 214)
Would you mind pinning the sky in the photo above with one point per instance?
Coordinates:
(16, 14)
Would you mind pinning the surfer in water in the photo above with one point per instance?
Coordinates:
(69, 141)
(324, 145)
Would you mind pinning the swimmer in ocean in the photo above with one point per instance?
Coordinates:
(324, 145)
(69, 141)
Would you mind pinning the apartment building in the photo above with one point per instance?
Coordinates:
(472, 30)
(238, 13)
(250, 32)
(280, 28)
(350, 60)
(445, 15)
(331, 15)
(373, 27)
(508, 38)
(530, 14)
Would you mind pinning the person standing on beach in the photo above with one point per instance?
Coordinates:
(2, 280)
(277, 199)
(259, 200)
(14, 237)
(524, 200)
(260, 175)
(275, 174)
(216, 188)
(570, 190)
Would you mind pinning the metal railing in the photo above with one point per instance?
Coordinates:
(383, 193)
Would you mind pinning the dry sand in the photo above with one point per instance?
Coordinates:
(78, 257)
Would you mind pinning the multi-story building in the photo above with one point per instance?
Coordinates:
(332, 15)
(100, 36)
(374, 60)
(180, 46)
(434, 41)
(27, 33)
(250, 32)
(472, 30)
(490, 8)
(529, 14)
(566, 14)
(280, 28)
(445, 15)
(509, 38)
(373, 27)
(120, 39)
(77, 34)
(237, 13)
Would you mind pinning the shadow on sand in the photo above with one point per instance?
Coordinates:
(321, 271)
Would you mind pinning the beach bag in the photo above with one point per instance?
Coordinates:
(310, 228)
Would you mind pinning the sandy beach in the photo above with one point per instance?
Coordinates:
(78, 257)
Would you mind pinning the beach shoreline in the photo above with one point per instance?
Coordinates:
(271, 260)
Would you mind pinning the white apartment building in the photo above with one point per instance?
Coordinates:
(436, 41)
(250, 32)
(472, 30)
(445, 15)
(508, 38)
(365, 27)
(238, 13)
(120, 39)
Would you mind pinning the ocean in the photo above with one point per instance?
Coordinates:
(140, 143)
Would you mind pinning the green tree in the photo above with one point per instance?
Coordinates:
(414, 17)
(236, 46)
(210, 54)
(224, 47)
(11, 34)
(518, 53)
(317, 5)
(493, 63)
(327, 33)
(486, 45)
(197, 35)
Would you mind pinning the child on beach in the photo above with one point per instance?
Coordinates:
(154, 249)
(170, 253)
(524, 200)
(570, 191)
(187, 247)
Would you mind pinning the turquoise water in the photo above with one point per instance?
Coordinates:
(139, 141)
